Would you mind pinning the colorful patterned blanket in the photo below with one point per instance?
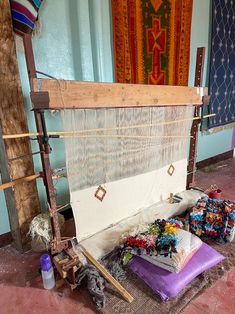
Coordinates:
(152, 41)
(163, 243)
(159, 238)
(213, 218)
(24, 15)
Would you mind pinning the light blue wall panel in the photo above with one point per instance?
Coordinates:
(209, 144)
(218, 143)
(4, 220)
(66, 49)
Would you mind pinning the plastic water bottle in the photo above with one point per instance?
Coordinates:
(48, 277)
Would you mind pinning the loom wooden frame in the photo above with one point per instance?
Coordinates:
(51, 94)
(58, 94)
(63, 94)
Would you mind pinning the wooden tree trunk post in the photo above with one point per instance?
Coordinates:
(22, 200)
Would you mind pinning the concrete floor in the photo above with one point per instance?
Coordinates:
(22, 290)
(219, 298)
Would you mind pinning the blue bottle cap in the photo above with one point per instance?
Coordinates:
(45, 262)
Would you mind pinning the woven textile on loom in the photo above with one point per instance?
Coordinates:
(152, 41)
(128, 151)
(222, 67)
(24, 15)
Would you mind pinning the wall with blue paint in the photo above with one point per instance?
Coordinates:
(216, 143)
(75, 42)
(4, 220)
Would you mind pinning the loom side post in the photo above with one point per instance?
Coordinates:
(45, 150)
(195, 125)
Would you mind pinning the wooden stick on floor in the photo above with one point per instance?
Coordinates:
(126, 295)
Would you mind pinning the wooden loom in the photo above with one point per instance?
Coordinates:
(51, 94)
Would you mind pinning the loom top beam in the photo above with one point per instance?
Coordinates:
(63, 94)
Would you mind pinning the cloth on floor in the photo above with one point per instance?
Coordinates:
(112, 262)
(213, 218)
(95, 284)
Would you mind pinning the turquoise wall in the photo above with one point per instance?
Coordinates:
(208, 144)
(4, 220)
(75, 42)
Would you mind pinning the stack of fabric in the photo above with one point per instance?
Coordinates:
(167, 257)
(213, 218)
(197, 217)
(164, 244)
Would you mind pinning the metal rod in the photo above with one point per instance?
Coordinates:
(29, 57)
(44, 147)
(45, 74)
(48, 182)
(24, 156)
(194, 129)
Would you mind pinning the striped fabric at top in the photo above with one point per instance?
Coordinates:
(24, 15)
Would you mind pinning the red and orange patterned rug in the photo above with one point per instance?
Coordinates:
(152, 41)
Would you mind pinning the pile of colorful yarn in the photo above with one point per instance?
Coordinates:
(230, 228)
(161, 237)
(213, 218)
(197, 217)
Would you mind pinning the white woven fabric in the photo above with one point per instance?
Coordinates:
(96, 160)
(131, 163)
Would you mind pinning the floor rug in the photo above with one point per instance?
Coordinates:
(152, 41)
(146, 302)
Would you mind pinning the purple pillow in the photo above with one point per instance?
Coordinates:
(168, 284)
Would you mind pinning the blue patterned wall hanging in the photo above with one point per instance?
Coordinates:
(222, 67)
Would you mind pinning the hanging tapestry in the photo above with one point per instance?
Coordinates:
(152, 41)
(24, 15)
(222, 67)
